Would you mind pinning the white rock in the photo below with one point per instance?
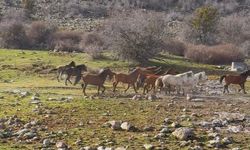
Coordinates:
(183, 133)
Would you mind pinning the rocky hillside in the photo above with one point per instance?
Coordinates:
(87, 15)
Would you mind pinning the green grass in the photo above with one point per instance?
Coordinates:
(17, 71)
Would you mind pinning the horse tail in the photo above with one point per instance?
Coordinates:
(221, 78)
(51, 70)
(158, 82)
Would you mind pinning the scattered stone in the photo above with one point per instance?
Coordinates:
(137, 97)
(175, 125)
(148, 146)
(148, 128)
(235, 129)
(184, 133)
(231, 117)
(120, 148)
(165, 130)
(196, 148)
(126, 126)
(115, 125)
(227, 140)
(184, 143)
(46, 143)
(61, 144)
(167, 121)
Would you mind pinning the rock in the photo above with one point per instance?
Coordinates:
(148, 146)
(126, 126)
(22, 132)
(120, 148)
(89, 148)
(231, 117)
(167, 121)
(175, 125)
(24, 94)
(101, 148)
(215, 143)
(160, 136)
(183, 133)
(61, 144)
(151, 97)
(137, 97)
(219, 123)
(196, 148)
(164, 130)
(235, 129)
(198, 100)
(213, 135)
(29, 135)
(227, 140)
(184, 143)
(148, 128)
(46, 143)
(237, 148)
(115, 125)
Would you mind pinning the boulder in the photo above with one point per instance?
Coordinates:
(183, 133)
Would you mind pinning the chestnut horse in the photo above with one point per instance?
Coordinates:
(235, 79)
(130, 79)
(149, 79)
(97, 80)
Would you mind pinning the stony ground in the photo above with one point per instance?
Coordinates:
(37, 112)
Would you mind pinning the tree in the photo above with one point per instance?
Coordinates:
(204, 22)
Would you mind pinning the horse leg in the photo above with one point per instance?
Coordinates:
(134, 88)
(127, 88)
(103, 88)
(114, 86)
(226, 86)
(224, 89)
(84, 88)
(78, 78)
(98, 89)
(243, 88)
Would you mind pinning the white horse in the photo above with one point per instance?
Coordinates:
(197, 78)
(179, 81)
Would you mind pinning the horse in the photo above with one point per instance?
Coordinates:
(130, 79)
(235, 79)
(179, 81)
(61, 70)
(151, 78)
(96, 79)
(75, 71)
(149, 81)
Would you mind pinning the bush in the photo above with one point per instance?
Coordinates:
(13, 35)
(220, 54)
(175, 47)
(94, 51)
(204, 22)
(66, 41)
(40, 35)
(136, 36)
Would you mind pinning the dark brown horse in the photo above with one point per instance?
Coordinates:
(235, 79)
(74, 71)
(97, 80)
(129, 79)
(61, 70)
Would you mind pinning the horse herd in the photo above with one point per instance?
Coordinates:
(149, 78)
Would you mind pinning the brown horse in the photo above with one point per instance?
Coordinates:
(75, 71)
(141, 79)
(150, 81)
(235, 79)
(97, 80)
(130, 79)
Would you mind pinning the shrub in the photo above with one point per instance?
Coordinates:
(204, 22)
(94, 51)
(13, 35)
(66, 41)
(136, 36)
(175, 47)
(40, 35)
(219, 54)
(28, 5)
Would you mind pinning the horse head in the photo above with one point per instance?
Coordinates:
(107, 72)
(72, 64)
(245, 73)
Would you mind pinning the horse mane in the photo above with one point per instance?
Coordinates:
(72, 63)
(247, 72)
(134, 71)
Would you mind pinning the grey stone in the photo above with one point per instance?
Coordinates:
(183, 133)
(148, 146)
